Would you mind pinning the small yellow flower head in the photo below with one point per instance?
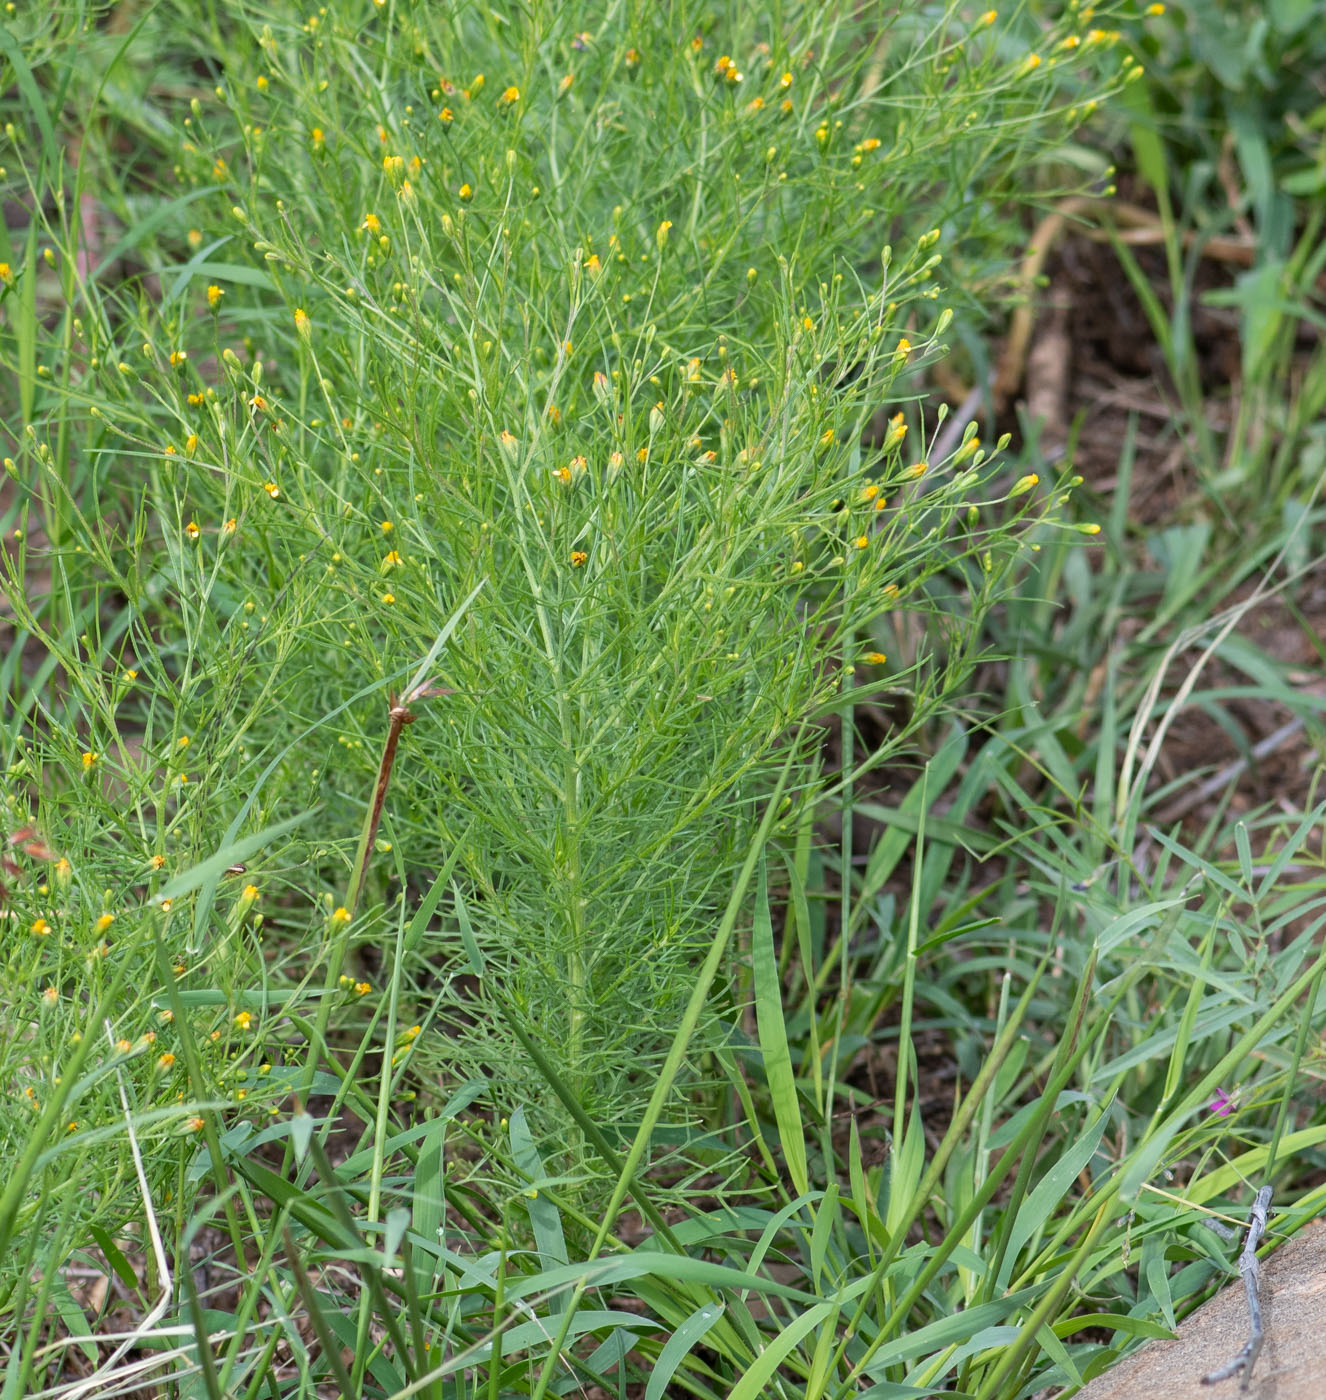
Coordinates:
(509, 97)
(1023, 484)
(874, 658)
(178, 357)
(785, 81)
(214, 295)
(661, 234)
(90, 757)
(985, 21)
(158, 862)
(341, 916)
(871, 143)
(827, 437)
(303, 326)
(386, 527)
(123, 1046)
(578, 558)
(272, 489)
(6, 273)
(230, 526)
(259, 402)
(371, 224)
(195, 1125)
(362, 989)
(191, 442)
(104, 922)
(40, 927)
(390, 560)
(564, 86)
(1088, 529)
(244, 1020)
(861, 541)
(1155, 11)
(165, 1061)
(917, 469)
(446, 116)
(393, 167)
(903, 350)
(317, 138)
(248, 896)
(465, 192)
(389, 598)
(897, 431)
(632, 59)
(50, 996)
(262, 83)
(167, 905)
(192, 530)
(592, 265)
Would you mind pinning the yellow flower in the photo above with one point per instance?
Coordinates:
(50, 996)
(466, 192)
(362, 989)
(1023, 484)
(195, 1125)
(244, 1020)
(104, 922)
(192, 530)
(40, 927)
(90, 756)
(191, 442)
(317, 137)
(986, 20)
(446, 116)
(214, 295)
(165, 1061)
(388, 598)
(1155, 11)
(862, 541)
(341, 916)
(510, 96)
(303, 326)
(578, 557)
(390, 560)
(177, 358)
(785, 81)
(917, 469)
(371, 223)
(661, 234)
(230, 526)
(272, 489)
(874, 658)
(904, 348)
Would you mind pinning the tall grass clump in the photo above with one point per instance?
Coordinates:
(459, 465)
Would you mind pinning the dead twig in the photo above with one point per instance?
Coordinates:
(1247, 1357)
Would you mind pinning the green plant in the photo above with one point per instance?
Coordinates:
(464, 511)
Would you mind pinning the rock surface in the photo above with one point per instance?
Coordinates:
(1292, 1364)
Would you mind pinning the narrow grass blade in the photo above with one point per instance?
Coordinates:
(773, 1040)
